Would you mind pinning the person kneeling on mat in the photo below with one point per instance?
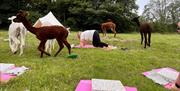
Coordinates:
(90, 37)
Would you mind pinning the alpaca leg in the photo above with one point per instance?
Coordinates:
(61, 46)
(114, 31)
(42, 47)
(104, 32)
(141, 38)
(50, 46)
(149, 39)
(21, 49)
(67, 45)
(17, 44)
(53, 44)
(47, 46)
(39, 48)
(22, 45)
(145, 41)
(11, 44)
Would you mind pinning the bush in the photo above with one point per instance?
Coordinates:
(163, 28)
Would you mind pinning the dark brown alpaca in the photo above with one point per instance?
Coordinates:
(45, 33)
(108, 25)
(145, 29)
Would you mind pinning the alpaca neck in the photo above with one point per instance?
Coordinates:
(138, 23)
(28, 26)
(12, 21)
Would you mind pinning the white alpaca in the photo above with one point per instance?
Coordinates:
(17, 33)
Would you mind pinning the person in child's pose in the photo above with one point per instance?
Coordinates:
(89, 37)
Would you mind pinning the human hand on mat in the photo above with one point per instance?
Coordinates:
(109, 48)
(84, 43)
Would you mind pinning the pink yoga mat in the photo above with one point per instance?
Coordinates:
(147, 73)
(6, 77)
(86, 46)
(130, 88)
(167, 86)
(86, 85)
(157, 70)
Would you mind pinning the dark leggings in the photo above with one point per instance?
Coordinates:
(97, 42)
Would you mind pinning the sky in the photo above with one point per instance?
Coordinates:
(141, 4)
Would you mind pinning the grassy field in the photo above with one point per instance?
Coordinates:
(63, 74)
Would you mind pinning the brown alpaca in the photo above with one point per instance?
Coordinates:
(108, 25)
(145, 29)
(44, 33)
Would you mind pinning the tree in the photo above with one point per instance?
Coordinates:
(9, 8)
(164, 11)
(88, 14)
(79, 14)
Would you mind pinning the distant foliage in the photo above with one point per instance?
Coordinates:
(8, 9)
(34, 16)
(78, 14)
(164, 13)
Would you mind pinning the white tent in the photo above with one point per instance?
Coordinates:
(47, 20)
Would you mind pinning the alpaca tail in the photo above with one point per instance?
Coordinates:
(68, 29)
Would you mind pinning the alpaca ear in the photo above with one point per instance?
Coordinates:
(12, 17)
(20, 11)
(23, 13)
(68, 28)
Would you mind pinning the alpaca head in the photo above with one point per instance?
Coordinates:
(109, 20)
(136, 19)
(12, 17)
(20, 16)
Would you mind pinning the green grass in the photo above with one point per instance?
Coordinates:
(63, 74)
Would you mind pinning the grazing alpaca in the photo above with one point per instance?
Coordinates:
(108, 25)
(17, 33)
(45, 33)
(145, 29)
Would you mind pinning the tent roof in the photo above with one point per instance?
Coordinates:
(47, 20)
